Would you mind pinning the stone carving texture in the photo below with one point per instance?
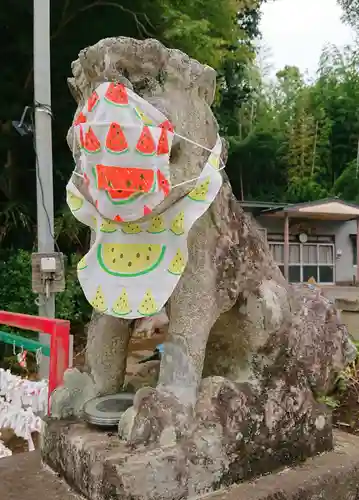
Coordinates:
(247, 354)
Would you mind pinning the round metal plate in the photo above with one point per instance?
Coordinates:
(106, 411)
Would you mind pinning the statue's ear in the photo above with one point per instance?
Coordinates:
(74, 90)
(206, 83)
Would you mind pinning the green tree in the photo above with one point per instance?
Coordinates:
(297, 140)
(215, 32)
(351, 12)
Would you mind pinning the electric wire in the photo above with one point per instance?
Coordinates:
(46, 109)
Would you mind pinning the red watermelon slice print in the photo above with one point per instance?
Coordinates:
(82, 140)
(92, 101)
(91, 144)
(162, 146)
(147, 210)
(116, 94)
(130, 180)
(167, 125)
(116, 141)
(119, 197)
(86, 179)
(81, 118)
(146, 145)
(163, 183)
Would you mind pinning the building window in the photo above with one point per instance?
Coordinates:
(309, 260)
(353, 239)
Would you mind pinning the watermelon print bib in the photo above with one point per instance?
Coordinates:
(133, 267)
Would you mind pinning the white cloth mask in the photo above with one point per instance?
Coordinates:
(125, 146)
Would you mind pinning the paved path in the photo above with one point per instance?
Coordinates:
(22, 476)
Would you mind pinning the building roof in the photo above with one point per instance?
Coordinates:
(327, 209)
(261, 204)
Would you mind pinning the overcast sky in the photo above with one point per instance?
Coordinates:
(295, 31)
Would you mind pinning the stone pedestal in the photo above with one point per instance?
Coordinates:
(100, 466)
(330, 476)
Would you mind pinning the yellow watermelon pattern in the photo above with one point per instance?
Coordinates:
(94, 221)
(148, 305)
(177, 225)
(131, 228)
(200, 192)
(145, 119)
(82, 264)
(214, 161)
(73, 201)
(157, 225)
(98, 302)
(122, 307)
(108, 226)
(178, 263)
(129, 259)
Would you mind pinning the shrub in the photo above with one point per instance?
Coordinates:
(16, 294)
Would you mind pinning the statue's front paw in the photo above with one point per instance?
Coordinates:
(156, 416)
(68, 400)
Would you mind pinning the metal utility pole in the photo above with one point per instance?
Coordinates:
(43, 141)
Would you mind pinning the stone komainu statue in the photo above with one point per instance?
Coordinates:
(247, 354)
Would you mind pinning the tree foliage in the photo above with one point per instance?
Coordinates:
(290, 140)
(216, 32)
(351, 12)
(300, 139)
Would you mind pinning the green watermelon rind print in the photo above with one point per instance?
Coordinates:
(147, 315)
(154, 185)
(124, 201)
(120, 315)
(175, 274)
(198, 201)
(129, 275)
(118, 105)
(177, 234)
(145, 154)
(156, 232)
(112, 152)
(94, 173)
(92, 152)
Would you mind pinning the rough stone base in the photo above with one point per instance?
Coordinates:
(330, 476)
(101, 467)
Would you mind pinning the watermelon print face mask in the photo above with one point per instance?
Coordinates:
(125, 146)
(132, 266)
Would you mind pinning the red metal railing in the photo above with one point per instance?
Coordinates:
(58, 329)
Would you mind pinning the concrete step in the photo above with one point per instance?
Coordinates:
(23, 476)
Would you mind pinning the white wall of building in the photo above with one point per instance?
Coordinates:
(344, 267)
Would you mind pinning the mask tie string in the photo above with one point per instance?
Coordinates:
(202, 147)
